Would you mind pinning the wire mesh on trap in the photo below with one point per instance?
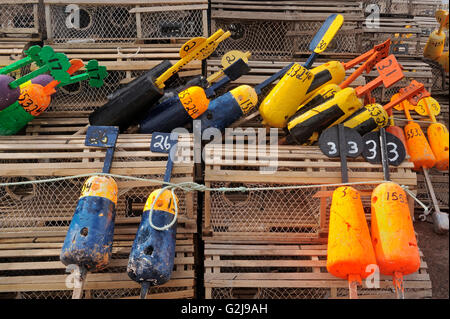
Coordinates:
(274, 211)
(269, 293)
(17, 16)
(103, 23)
(172, 24)
(264, 39)
(52, 204)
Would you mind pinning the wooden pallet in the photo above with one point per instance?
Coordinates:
(127, 21)
(124, 63)
(280, 29)
(404, 33)
(20, 21)
(11, 52)
(412, 69)
(30, 267)
(262, 216)
(274, 271)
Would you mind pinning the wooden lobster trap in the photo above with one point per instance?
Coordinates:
(270, 209)
(404, 33)
(412, 69)
(281, 271)
(410, 7)
(123, 63)
(124, 21)
(11, 52)
(34, 218)
(280, 29)
(20, 20)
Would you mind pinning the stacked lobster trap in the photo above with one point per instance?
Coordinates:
(21, 21)
(124, 21)
(128, 37)
(34, 218)
(268, 240)
(282, 29)
(410, 7)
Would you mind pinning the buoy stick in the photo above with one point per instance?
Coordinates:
(399, 285)
(145, 286)
(79, 281)
(343, 152)
(442, 25)
(353, 282)
(323, 37)
(199, 51)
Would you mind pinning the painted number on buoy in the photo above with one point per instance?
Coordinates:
(395, 197)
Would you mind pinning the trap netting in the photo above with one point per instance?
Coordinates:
(268, 40)
(52, 204)
(270, 293)
(264, 39)
(103, 23)
(274, 211)
(172, 24)
(14, 17)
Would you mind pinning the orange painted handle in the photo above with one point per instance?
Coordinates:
(410, 92)
(75, 65)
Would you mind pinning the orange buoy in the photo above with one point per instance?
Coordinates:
(439, 139)
(350, 249)
(418, 147)
(393, 236)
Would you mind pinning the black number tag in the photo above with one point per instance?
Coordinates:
(395, 149)
(329, 142)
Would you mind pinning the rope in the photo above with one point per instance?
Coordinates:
(192, 186)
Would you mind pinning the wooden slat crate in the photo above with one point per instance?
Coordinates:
(412, 69)
(11, 52)
(123, 63)
(40, 213)
(404, 33)
(411, 7)
(20, 20)
(125, 21)
(290, 272)
(278, 29)
(289, 215)
(30, 267)
(58, 123)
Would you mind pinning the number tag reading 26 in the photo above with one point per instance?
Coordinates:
(396, 152)
(162, 142)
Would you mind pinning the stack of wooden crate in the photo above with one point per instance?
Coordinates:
(34, 218)
(271, 243)
(128, 37)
